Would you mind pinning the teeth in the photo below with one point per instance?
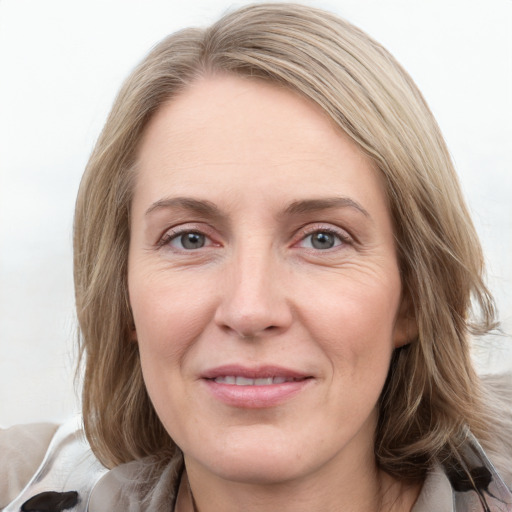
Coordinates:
(263, 382)
(244, 381)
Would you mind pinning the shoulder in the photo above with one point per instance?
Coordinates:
(22, 449)
(498, 391)
(150, 483)
(68, 471)
(44, 465)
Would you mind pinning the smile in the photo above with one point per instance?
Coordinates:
(244, 381)
(255, 388)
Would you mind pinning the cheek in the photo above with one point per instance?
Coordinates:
(169, 315)
(354, 322)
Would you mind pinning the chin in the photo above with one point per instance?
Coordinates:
(260, 457)
(265, 470)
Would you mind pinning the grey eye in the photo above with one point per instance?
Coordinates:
(323, 240)
(191, 240)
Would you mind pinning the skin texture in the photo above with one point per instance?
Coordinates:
(256, 289)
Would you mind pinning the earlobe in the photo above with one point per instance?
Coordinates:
(406, 327)
(406, 331)
(133, 331)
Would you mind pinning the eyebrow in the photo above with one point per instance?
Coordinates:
(314, 205)
(206, 208)
(202, 207)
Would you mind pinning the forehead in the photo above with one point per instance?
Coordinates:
(226, 131)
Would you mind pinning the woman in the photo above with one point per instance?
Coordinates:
(274, 273)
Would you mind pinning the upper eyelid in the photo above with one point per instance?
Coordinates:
(315, 227)
(184, 227)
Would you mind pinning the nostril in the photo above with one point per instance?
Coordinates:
(248, 317)
(255, 334)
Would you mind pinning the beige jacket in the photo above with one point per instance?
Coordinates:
(22, 449)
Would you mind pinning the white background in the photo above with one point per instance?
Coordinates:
(61, 63)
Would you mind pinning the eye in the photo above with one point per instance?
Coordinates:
(186, 240)
(322, 240)
(191, 240)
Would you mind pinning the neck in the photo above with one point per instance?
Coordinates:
(362, 488)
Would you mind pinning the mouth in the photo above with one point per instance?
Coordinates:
(241, 375)
(263, 381)
(254, 388)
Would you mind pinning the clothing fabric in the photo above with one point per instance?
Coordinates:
(70, 478)
(22, 449)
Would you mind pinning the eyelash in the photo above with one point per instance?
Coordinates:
(174, 234)
(342, 236)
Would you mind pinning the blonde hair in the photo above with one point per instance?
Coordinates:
(432, 391)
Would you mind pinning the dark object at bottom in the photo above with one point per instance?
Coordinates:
(50, 501)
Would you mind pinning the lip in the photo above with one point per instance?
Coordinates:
(257, 372)
(255, 396)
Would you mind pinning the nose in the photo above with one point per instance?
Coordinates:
(254, 300)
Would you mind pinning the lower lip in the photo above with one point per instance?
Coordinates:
(255, 397)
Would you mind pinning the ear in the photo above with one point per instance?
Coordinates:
(133, 329)
(131, 323)
(406, 326)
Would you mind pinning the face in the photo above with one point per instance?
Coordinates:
(263, 281)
